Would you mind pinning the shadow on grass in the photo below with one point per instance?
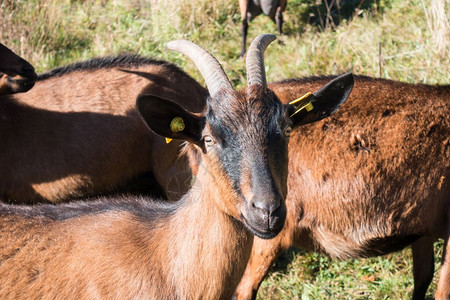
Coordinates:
(327, 14)
(285, 259)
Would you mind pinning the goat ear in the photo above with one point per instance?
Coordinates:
(170, 120)
(322, 103)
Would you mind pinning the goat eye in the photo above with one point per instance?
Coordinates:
(287, 131)
(208, 141)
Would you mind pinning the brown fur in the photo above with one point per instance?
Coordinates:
(77, 133)
(369, 180)
(16, 74)
(123, 255)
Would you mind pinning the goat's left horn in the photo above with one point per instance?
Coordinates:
(254, 62)
(209, 67)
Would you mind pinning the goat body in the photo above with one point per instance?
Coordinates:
(121, 249)
(266, 7)
(368, 181)
(77, 132)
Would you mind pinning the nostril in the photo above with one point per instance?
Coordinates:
(259, 205)
(268, 207)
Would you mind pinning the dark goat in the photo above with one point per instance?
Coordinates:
(370, 180)
(77, 132)
(193, 249)
(16, 74)
(250, 9)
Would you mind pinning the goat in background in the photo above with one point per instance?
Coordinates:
(250, 9)
(370, 180)
(77, 133)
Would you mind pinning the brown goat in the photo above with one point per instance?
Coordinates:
(250, 9)
(77, 132)
(16, 74)
(193, 249)
(368, 181)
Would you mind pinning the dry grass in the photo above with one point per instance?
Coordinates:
(437, 16)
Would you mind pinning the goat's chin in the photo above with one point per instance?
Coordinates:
(263, 234)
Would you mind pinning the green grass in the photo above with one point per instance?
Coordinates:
(400, 40)
(301, 275)
(50, 33)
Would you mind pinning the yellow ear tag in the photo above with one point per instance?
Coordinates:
(303, 103)
(176, 125)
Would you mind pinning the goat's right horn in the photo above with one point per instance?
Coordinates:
(254, 63)
(209, 67)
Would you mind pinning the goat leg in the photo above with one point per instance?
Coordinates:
(443, 287)
(423, 266)
(279, 19)
(263, 256)
(244, 6)
(244, 30)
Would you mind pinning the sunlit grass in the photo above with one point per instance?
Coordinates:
(50, 33)
(301, 275)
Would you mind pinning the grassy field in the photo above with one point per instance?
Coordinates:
(300, 275)
(401, 40)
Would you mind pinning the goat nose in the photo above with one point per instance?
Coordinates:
(266, 206)
(28, 71)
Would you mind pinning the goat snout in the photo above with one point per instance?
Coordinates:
(27, 71)
(266, 208)
(265, 215)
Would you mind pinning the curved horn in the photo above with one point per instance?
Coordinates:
(209, 67)
(254, 62)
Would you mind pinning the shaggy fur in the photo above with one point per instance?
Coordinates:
(77, 133)
(368, 181)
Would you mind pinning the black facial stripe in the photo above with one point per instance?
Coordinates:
(231, 153)
(231, 159)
